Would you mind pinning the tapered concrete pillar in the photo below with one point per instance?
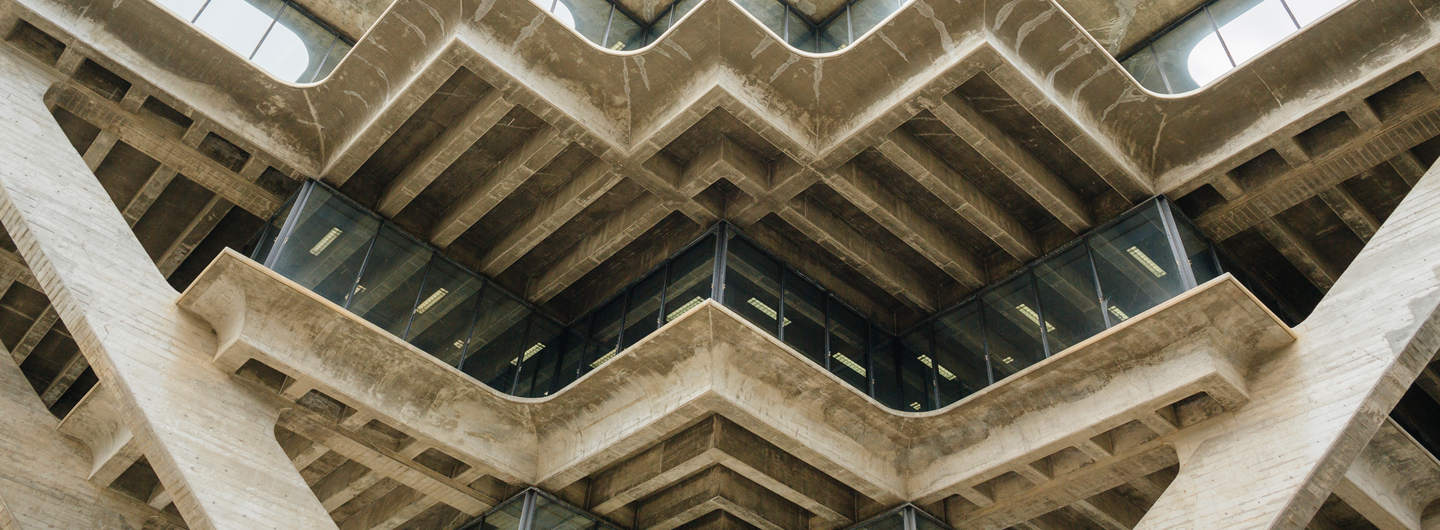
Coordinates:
(1316, 403)
(209, 437)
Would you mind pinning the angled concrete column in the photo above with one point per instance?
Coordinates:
(1317, 402)
(209, 437)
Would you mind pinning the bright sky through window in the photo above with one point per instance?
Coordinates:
(252, 31)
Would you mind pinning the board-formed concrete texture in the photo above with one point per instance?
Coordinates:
(162, 380)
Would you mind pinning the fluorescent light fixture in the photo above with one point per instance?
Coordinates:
(325, 241)
(766, 309)
(1146, 261)
(915, 405)
(459, 344)
(359, 289)
(849, 363)
(604, 358)
(925, 359)
(1008, 360)
(946, 373)
(1119, 314)
(1033, 316)
(431, 300)
(533, 350)
(682, 309)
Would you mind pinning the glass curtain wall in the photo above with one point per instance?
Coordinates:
(1217, 37)
(533, 509)
(361, 263)
(279, 36)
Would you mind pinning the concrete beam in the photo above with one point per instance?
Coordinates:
(443, 152)
(382, 124)
(1291, 150)
(143, 199)
(517, 167)
(1429, 381)
(1355, 215)
(912, 227)
(788, 178)
(63, 380)
(1408, 166)
(1296, 249)
(12, 267)
(858, 251)
(99, 149)
(922, 164)
(194, 233)
(1111, 510)
(38, 329)
(97, 422)
(388, 511)
(718, 488)
(344, 483)
(169, 151)
(1014, 161)
(602, 242)
(1364, 116)
(1393, 481)
(592, 182)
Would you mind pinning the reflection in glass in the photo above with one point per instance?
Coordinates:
(552, 515)
(326, 246)
(1137, 270)
(960, 354)
(916, 367)
(496, 342)
(506, 516)
(388, 288)
(443, 328)
(752, 284)
(1199, 254)
(848, 355)
(604, 341)
(295, 47)
(1146, 70)
(1013, 324)
(624, 33)
(1191, 55)
(884, 352)
(1307, 11)
(1066, 284)
(643, 315)
(544, 342)
(769, 12)
(805, 318)
(895, 521)
(690, 280)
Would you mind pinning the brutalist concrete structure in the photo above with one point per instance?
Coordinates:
(506, 264)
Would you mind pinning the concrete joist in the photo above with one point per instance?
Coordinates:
(149, 191)
(194, 233)
(517, 167)
(1299, 251)
(858, 251)
(1354, 214)
(443, 152)
(591, 182)
(1393, 481)
(596, 247)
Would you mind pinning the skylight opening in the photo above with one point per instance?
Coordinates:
(278, 36)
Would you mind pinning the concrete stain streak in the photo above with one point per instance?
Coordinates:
(929, 12)
(1004, 13)
(1030, 25)
(764, 43)
(886, 39)
(413, 27)
(439, 21)
(528, 30)
(784, 66)
(1074, 94)
(1084, 50)
(1130, 94)
(819, 74)
(677, 48)
(640, 64)
(482, 10)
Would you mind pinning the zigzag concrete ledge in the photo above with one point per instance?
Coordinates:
(720, 264)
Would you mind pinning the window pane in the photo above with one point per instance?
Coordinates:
(185, 9)
(1251, 26)
(325, 248)
(915, 370)
(883, 357)
(1067, 292)
(574, 352)
(752, 284)
(960, 352)
(892, 522)
(552, 515)
(495, 344)
(386, 295)
(1142, 65)
(294, 48)
(1200, 257)
(866, 14)
(691, 274)
(441, 325)
(643, 316)
(802, 37)
(925, 523)
(604, 334)
(589, 17)
(1136, 268)
(272, 232)
(848, 355)
(625, 34)
(1191, 55)
(537, 362)
(768, 12)
(338, 51)
(836, 35)
(1307, 11)
(1012, 327)
(507, 516)
(805, 317)
(238, 24)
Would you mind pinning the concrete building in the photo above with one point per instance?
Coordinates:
(720, 264)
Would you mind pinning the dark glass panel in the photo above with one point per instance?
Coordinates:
(552, 515)
(604, 334)
(1142, 65)
(866, 14)
(441, 325)
(960, 352)
(495, 344)
(570, 358)
(848, 337)
(768, 12)
(883, 361)
(836, 35)
(272, 231)
(923, 522)
(1199, 255)
(643, 315)
(589, 17)
(507, 516)
(915, 371)
(805, 318)
(390, 283)
(338, 51)
(1012, 326)
(1136, 267)
(1066, 283)
(895, 521)
(543, 346)
(625, 34)
(752, 284)
(327, 245)
(691, 278)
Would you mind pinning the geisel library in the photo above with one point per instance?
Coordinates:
(720, 264)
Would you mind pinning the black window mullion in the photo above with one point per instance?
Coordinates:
(289, 225)
(828, 353)
(934, 366)
(419, 295)
(364, 262)
(605, 42)
(1218, 36)
(780, 311)
(1177, 245)
(520, 356)
(1040, 312)
(265, 35)
(470, 331)
(1099, 290)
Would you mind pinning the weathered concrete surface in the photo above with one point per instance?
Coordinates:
(1393, 480)
(1317, 402)
(209, 439)
(711, 361)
